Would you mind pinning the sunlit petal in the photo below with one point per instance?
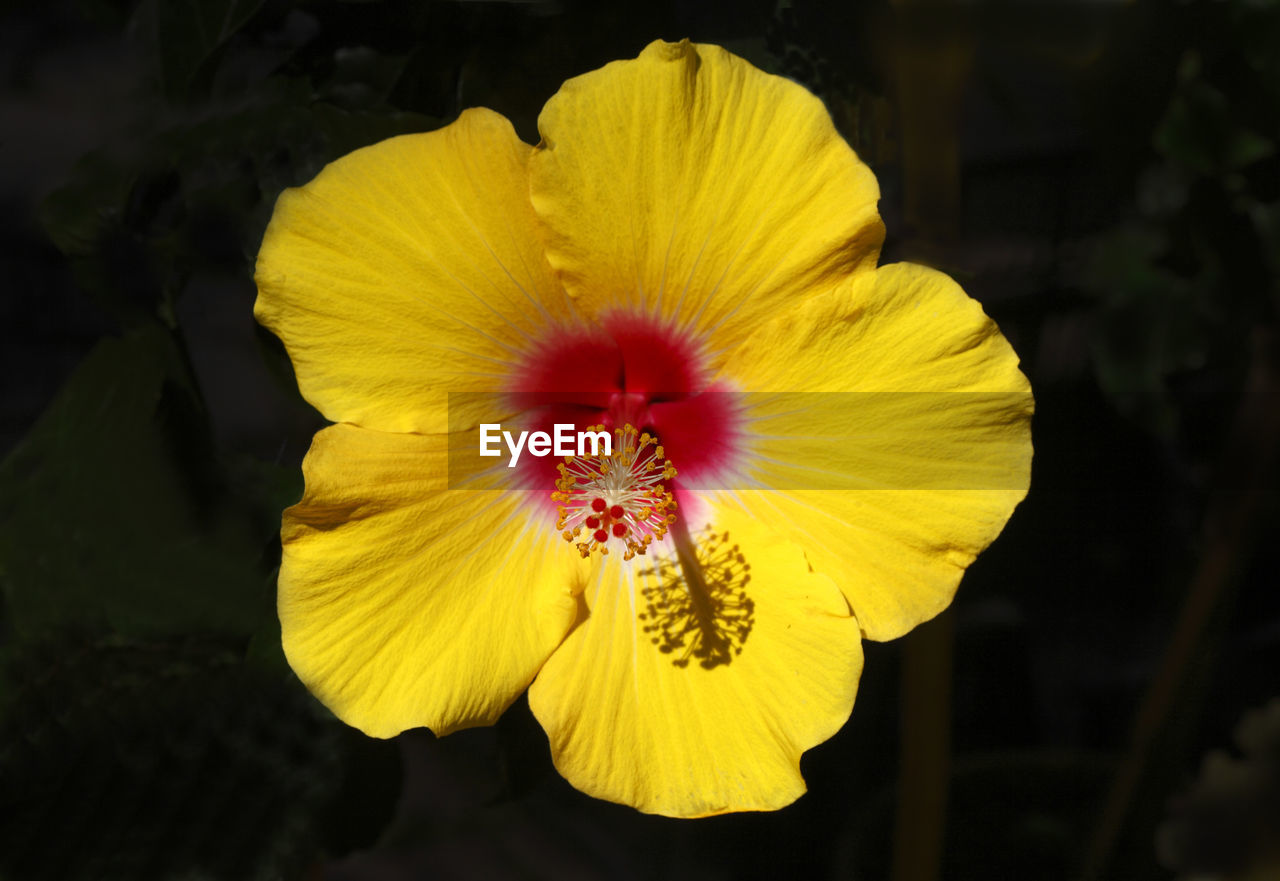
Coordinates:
(407, 270)
(693, 685)
(405, 603)
(889, 434)
(688, 185)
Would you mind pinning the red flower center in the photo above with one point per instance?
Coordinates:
(637, 372)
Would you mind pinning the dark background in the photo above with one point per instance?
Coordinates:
(1103, 177)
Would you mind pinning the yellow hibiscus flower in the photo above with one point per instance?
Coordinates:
(690, 252)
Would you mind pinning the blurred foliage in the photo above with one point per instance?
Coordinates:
(116, 513)
(141, 760)
(194, 189)
(182, 36)
(152, 759)
(1183, 284)
(1227, 823)
(1186, 299)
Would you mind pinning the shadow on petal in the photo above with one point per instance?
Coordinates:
(696, 603)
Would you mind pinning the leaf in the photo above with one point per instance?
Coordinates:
(1151, 324)
(113, 512)
(76, 214)
(183, 34)
(1200, 131)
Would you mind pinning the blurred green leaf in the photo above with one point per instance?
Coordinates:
(113, 513)
(75, 215)
(1200, 131)
(181, 35)
(1152, 323)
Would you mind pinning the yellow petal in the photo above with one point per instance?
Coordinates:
(689, 696)
(404, 603)
(406, 269)
(688, 184)
(890, 436)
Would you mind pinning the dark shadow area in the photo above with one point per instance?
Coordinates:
(698, 609)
